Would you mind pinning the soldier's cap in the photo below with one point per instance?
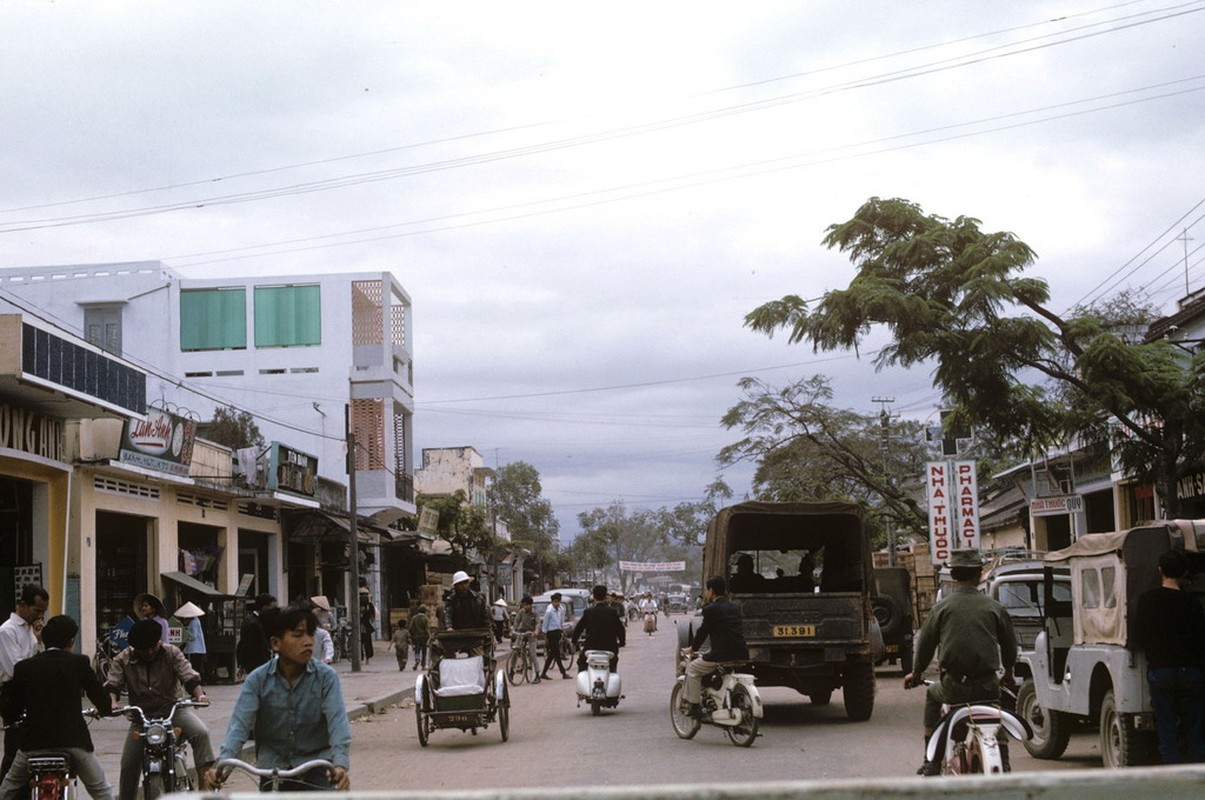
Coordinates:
(965, 558)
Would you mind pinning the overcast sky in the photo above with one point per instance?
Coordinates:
(585, 199)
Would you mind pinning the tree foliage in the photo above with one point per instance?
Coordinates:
(805, 449)
(463, 525)
(953, 296)
(233, 428)
(515, 497)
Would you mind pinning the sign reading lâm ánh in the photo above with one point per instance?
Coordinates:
(162, 442)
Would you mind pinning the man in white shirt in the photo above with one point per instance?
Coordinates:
(17, 643)
(553, 627)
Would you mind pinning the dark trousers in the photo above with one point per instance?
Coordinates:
(1176, 695)
(12, 743)
(552, 652)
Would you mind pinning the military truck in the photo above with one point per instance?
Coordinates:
(1082, 669)
(812, 628)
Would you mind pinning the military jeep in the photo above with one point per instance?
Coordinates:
(802, 575)
(1082, 669)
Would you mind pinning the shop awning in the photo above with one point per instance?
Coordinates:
(311, 526)
(189, 582)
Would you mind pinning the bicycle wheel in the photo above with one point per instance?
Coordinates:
(744, 732)
(518, 667)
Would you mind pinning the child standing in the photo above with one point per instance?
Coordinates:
(401, 645)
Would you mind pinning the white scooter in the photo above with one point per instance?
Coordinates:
(597, 684)
(970, 738)
(730, 701)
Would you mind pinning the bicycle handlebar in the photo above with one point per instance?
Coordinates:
(225, 766)
(138, 709)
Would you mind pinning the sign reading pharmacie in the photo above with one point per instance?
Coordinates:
(162, 442)
(953, 490)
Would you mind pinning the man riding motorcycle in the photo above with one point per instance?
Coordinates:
(603, 628)
(973, 633)
(722, 623)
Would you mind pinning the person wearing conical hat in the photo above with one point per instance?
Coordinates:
(194, 636)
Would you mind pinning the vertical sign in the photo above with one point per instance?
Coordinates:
(953, 492)
(967, 488)
(938, 491)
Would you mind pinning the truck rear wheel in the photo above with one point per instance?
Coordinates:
(1051, 731)
(858, 690)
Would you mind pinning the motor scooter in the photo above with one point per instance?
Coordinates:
(730, 701)
(597, 684)
(650, 622)
(972, 738)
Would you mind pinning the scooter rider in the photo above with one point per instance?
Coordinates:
(603, 628)
(973, 633)
(721, 622)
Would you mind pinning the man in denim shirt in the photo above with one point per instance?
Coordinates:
(294, 706)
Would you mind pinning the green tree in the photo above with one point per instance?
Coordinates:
(515, 497)
(623, 536)
(805, 449)
(463, 525)
(952, 295)
(233, 428)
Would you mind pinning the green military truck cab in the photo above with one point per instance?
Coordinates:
(806, 604)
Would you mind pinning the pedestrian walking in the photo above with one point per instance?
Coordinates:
(252, 649)
(400, 642)
(1170, 628)
(420, 634)
(553, 627)
(368, 616)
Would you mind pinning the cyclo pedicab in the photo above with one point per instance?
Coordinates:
(465, 691)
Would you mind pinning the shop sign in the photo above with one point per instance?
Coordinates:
(162, 442)
(1191, 486)
(30, 432)
(1050, 506)
(953, 491)
(291, 470)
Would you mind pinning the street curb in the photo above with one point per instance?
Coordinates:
(377, 705)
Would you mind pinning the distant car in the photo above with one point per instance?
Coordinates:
(677, 604)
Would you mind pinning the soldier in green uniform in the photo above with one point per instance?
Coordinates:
(974, 635)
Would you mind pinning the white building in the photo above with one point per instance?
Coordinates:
(295, 351)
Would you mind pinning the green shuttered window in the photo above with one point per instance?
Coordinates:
(213, 319)
(288, 316)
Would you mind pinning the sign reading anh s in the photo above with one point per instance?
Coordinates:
(162, 442)
(292, 470)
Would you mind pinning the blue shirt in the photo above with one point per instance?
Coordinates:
(292, 724)
(554, 618)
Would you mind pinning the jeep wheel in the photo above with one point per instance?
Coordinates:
(1120, 744)
(889, 613)
(859, 691)
(1051, 732)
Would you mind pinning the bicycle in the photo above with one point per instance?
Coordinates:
(520, 666)
(271, 779)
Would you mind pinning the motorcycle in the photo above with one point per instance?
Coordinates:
(597, 684)
(730, 701)
(51, 776)
(650, 622)
(164, 769)
(971, 738)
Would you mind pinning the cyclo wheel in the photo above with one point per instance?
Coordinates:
(421, 716)
(686, 727)
(504, 714)
(744, 732)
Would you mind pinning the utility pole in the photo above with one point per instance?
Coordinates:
(1184, 237)
(884, 444)
(353, 546)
